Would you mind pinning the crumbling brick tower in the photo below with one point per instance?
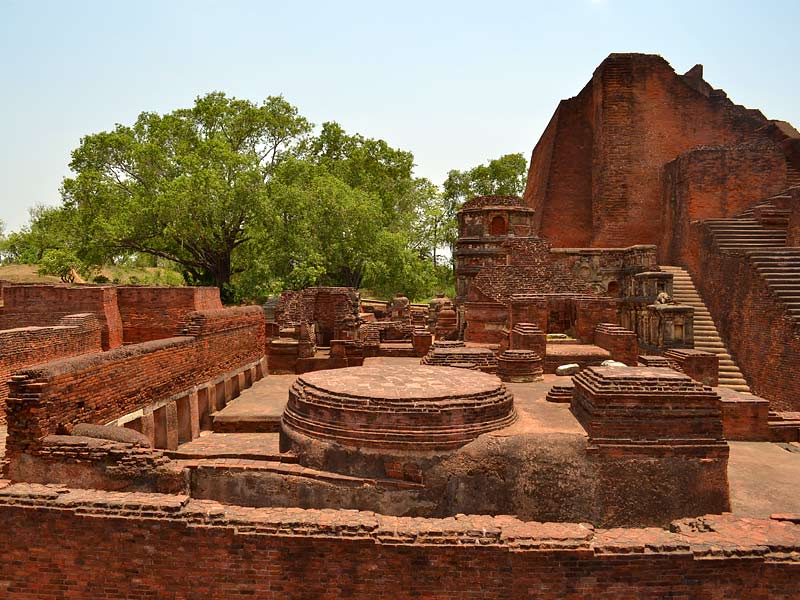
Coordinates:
(644, 155)
(595, 174)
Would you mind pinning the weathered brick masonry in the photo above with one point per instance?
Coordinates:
(97, 388)
(714, 181)
(152, 313)
(25, 346)
(595, 176)
(41, 305)
(83, 544)
(761, 336)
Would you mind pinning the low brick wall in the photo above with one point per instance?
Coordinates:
(98, 388)
(26, 346)
(620, 342)
(90, 545)
(744, 417)
(700, 366)
(156, 312)
(26, 305)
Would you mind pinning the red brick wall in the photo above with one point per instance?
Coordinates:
(764, 343)
(793, 228)
(714, 181)
(324, 307)
(745, 417)
(634, 116)
(152, 313)
(97, 388)
(559, 167)
(19, 348)
(700, 366)
(591, 312)
(40, 305)
(621, 343)
(195, 551)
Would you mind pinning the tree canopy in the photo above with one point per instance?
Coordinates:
(186, 186)
(248, 197)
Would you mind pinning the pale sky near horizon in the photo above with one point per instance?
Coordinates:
(456, 83)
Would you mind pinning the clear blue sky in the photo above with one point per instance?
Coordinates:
(456, 82)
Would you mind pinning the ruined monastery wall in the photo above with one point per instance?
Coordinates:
(633, 117)
(152, 313)
(71, 544)
(98, 388)
(43, 305)
(25, 346)
(764, 343)
(558, 167)
(711, 182)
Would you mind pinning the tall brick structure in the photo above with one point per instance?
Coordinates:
(595, 175)
(644, 155)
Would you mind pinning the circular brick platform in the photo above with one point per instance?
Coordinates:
(424, 408)
(520, 366)
(445, 356)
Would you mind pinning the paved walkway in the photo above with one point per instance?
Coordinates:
(254, 446)
(764, 478)
(259, 406)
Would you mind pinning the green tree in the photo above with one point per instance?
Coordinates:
(62, 263)
(186, 186)
(49, 228)
(321, 228)
(369, 165)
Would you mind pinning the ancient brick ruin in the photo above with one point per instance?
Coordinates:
(608, 408)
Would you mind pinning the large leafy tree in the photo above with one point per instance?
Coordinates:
(242, 196)
(369, 165)
(188, 186)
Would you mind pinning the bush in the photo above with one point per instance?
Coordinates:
(62, 263)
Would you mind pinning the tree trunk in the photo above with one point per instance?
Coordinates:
(220, 272)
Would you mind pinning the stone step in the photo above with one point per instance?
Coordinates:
(766, 267)
(768, 234)
(745, 246)
(731, 382)
(775, 260)
(788, 251)
(738, 388)
(706, 336)
(750, 238)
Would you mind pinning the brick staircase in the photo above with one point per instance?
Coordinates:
(746, 233)
(759, 233)
(706, 337)
(792, 175)
(780, 270)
